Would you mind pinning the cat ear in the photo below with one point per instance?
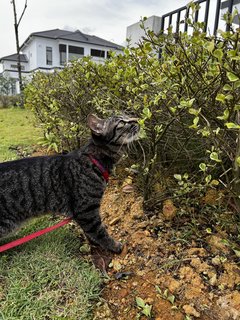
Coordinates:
(96, 124)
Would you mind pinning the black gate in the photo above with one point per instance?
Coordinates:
(182, 14)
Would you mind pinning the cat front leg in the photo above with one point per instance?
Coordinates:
(96, 231)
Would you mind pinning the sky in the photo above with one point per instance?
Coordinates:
(107, 19)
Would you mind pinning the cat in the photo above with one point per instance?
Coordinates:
(70, 184)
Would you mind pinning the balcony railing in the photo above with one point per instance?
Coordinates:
(180, 16)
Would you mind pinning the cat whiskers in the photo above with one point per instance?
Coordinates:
(143, 153)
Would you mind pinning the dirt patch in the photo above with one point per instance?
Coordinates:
(178, 274)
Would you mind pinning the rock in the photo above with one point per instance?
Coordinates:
(128, 189)
(142, 225)
(217, 245)
(136, 210)
(169, 210)
(102, 311)
(201, 252)
(116, 265)
(231, 305)
(213, 280)
(216, 261)
(190, 310)
(123, 293)
(127, 185)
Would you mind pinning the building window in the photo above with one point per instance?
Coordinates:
(13, 88)
(97, 53)
(14, 66)
(63, 54)
(75, 52)
(49, 55)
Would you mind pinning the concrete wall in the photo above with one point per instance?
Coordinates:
(135, 32)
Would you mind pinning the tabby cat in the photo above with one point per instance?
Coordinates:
(71, 184)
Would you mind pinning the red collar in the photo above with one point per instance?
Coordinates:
(103, 171)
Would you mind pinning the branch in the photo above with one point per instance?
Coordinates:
(25, 7)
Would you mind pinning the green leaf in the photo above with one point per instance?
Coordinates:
(147, 310)
(237, 107)
(238, 161)
(171, 298)
(218, 54)
(147, 113)
(214, 157)
(225, 115)
(237, 253)
(220, 97)
(177, 177)
(210, 46)
(203, 167)
(227, 87)
(232, 77)
(236, 84)
(231, 125)
(193, 111)
(158, 289)
(208, 178)
(140, 302)
(195, 123)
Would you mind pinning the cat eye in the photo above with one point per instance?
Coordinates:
(121, 124)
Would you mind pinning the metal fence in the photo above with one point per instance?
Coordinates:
(178, 18)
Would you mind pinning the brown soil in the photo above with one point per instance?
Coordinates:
(166, 263)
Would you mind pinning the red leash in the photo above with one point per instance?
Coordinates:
(34, 235)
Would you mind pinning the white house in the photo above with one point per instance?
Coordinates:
(53, 49)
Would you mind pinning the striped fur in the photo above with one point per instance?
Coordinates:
(68, 184)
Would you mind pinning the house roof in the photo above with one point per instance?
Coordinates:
(14, 57)
(76, 36)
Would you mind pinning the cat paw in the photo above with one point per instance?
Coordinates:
(117, 247)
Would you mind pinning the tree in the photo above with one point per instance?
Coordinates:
(16, 27)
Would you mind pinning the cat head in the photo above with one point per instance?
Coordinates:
(113, 131)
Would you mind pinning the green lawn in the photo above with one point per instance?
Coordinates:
(16, 129)
(48, 277)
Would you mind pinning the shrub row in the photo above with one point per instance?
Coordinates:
(187, 101)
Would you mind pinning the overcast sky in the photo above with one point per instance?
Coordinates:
(107, 19)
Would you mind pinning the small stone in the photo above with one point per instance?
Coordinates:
(147, 233)
(189, 310)
(217, 245)
(123, 293)
(213, 280)
(128, 189)
(216, 261)
(149, 301)
(142, 225)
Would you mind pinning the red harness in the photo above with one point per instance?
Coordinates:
(36, 234)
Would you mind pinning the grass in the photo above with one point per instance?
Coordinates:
(46, 278)
(16, 129)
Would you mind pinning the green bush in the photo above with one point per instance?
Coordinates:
(187, 103)
(61, 102)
